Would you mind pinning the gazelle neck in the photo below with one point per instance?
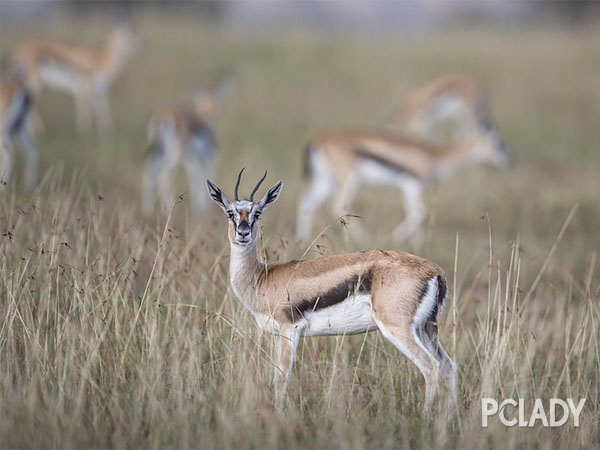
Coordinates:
(245, 272)
(116, 55)
(456, 157)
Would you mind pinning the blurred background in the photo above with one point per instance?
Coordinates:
(304, 67)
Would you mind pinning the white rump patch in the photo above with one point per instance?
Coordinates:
(423, 312)
(427, 303)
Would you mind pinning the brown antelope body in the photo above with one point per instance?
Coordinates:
(86, 73)
(397, 293)
(182, 137)
(450, 103)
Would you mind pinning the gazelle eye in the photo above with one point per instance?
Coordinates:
(230, 215)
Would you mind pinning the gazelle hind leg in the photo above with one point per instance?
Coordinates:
(320, 190)
(448, 368)
(401, 337)
(152, 169)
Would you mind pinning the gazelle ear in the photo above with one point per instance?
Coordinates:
(217, 195)
(271, 195)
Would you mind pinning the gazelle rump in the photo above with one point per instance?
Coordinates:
(341, 161)
(182, 136)
(399, 294)
(453, 102)
(16, 103)
(86, 73)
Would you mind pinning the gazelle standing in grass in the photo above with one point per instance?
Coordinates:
(340, 162)
(399, 294)
(447, 109)
(86, 73)
(15, 127)
(182, 136)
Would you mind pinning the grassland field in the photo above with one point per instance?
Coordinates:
(118, 331)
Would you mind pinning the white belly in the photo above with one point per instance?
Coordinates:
(353, 315)
(59, 77)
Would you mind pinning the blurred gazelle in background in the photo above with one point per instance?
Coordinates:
(341, 161)
(183, 136)
(447, 109)
(86, 73)
(16, 105)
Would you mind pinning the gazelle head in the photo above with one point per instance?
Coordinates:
(123, 41)
(492, 148)
(208, 102)
(243, 215)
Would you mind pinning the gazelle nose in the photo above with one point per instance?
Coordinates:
(244, 229)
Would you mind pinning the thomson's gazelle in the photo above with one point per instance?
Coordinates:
(15, 112)
(182, 136)
(340, 162)
(450, 107)
(397, 293)
(84, 72)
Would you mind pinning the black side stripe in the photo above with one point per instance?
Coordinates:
(337, 294)
(362, 153)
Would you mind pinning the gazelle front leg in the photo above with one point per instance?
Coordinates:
(83, 111)
(342, 204)
(285, 351)
(6, 162)
(31, 156)
(415, 214)
(102, 113)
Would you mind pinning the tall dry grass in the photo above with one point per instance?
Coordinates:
(119, 333)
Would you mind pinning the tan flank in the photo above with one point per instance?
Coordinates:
(397, 293)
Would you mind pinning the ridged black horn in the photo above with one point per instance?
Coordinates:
(257, 186)
(237, 184)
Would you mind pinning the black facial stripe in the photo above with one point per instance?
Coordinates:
(337, 294)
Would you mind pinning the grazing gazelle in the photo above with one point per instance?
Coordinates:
(451, 103)
(86, 73)
(339, 162)
(182, 136)
(397, 293)
(15, 113)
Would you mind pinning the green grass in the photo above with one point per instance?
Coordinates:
(121, 332)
